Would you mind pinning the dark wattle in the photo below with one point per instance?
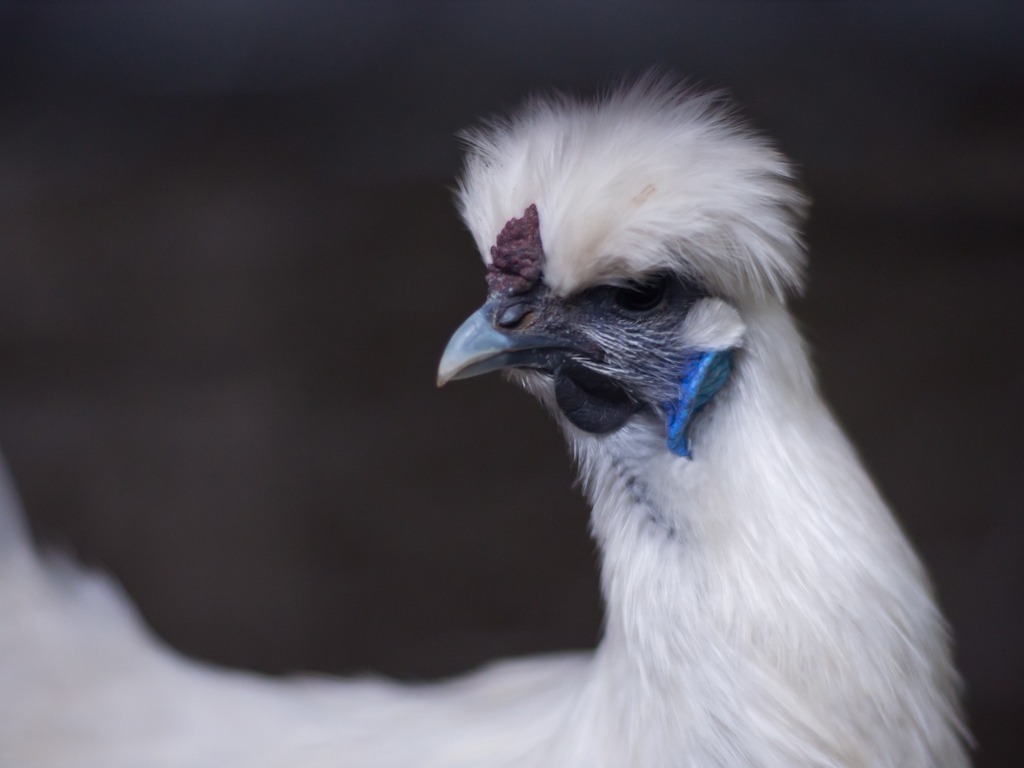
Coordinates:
(592, 402)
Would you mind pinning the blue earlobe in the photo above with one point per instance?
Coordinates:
(703, 375)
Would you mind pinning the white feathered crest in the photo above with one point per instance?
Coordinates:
(652, 177)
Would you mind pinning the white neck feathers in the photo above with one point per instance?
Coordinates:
(760, 597)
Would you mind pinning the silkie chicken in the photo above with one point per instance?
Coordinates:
(763, 608)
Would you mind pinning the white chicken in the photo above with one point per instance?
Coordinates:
(762, 606)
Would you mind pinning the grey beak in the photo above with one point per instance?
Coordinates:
(471, 348)
(477, 347)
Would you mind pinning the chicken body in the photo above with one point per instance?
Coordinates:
(762, 606)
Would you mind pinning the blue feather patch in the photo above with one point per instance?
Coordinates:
(703, 375)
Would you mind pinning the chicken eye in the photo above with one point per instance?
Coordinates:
(641, 297)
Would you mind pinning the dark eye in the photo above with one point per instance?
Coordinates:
(641, 297)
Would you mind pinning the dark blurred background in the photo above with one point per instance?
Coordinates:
(229, 263)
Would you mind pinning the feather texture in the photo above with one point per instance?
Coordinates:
(651, 177)
(762, 606)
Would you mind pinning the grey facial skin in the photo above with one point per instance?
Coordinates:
(609, 349)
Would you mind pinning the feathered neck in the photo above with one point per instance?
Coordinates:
(682, 539)
(760, 598)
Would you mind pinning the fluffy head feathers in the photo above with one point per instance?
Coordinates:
(651, 178)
